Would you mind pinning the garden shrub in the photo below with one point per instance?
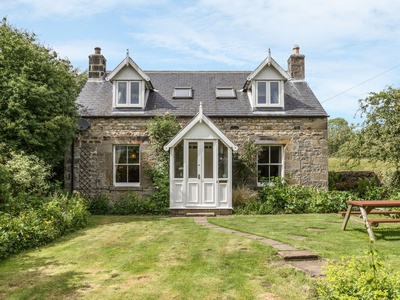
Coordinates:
(99, 205)
(279, 197)
(366, 278)
(57, 215)
(242, 194)
(131, 204)
(24, 181)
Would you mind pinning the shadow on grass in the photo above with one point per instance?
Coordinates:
(385, 234)
(34, 281)
(97, 221)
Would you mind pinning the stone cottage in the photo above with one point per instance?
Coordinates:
(219, 111)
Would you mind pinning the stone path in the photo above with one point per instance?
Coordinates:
(305, 260)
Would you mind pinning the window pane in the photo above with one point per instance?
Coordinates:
(263, 172)
(222, 160)
(134, 93)
(261, 93)
(183, 93)
(276, 154)
(121, 174)
(225, 92)
(208, 160)
(263, 156)
(270, 162)
(274, 92)
(120, 154)
(178, 156)
(275, 171)
(133, 173)
(133, 154)
(121, 92)
(193, 160)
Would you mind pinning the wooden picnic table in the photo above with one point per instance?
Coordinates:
(366, 206)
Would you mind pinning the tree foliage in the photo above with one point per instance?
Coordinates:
(339, 132)
(379, 136)
(37, 93)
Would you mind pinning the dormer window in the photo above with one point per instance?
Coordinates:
(182, 93)
(269, 93)
(128, 93)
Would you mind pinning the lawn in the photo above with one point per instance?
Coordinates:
(129, 257)
(321, 233)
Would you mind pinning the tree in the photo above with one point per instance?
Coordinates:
(379, 136)
(339, 132)
(37, 93)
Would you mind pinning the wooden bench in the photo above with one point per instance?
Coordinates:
(371, 207)
(376, 222)
(373, 212)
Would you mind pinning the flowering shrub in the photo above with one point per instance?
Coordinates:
(365, 278)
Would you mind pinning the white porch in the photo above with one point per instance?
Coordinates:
(200, 168)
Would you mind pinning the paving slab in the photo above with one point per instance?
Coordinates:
(298, 255)
(312, 268)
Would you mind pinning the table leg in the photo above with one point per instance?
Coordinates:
(369, 228)
(347, 216)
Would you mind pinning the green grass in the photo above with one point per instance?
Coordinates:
(132, 257)
(336, 164)
(321, 233)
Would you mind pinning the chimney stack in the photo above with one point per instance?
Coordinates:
(97, 64)
(296, 67)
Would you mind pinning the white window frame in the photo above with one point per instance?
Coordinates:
(268, 93)
(281, 163)
(115, 165)
(128, 93)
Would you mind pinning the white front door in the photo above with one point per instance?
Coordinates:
(201, 172)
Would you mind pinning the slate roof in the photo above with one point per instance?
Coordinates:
(95, 99)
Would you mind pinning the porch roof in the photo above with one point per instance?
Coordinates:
(200, 117)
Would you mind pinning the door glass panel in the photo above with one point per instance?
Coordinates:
(222, 160)
(208, 160)
(192, 160)
(178, 156)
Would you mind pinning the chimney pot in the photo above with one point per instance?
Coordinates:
(296, 49)
(97, 50)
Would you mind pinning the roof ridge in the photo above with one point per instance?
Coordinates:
(193, 71)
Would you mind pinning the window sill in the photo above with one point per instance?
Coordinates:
(126, 188)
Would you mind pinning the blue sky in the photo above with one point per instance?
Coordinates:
(352, 47)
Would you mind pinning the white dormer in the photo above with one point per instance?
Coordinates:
(131, 86)
(265, 85)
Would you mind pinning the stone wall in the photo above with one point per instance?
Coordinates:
(304, 140)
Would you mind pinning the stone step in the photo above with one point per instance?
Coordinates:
(201, 214)
(298, 255)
